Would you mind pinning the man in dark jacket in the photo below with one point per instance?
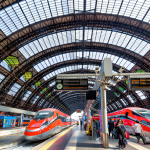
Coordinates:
(111, 126)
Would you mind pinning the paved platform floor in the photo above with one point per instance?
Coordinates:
(10, 131)
(11, 139)
(73, 138)
(12, 128)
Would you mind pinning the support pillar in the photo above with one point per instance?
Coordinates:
(103, 117)
(21, 123)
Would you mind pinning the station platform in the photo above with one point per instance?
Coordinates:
(75, 138)
(10, 131)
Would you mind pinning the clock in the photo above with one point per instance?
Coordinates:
(59, 86)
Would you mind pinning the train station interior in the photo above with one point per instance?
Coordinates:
(74, 74)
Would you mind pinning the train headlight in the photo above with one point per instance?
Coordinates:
(45, 124)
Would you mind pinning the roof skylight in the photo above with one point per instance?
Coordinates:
(14, 89)
(1, 77)
(141, 95)
(24, 13)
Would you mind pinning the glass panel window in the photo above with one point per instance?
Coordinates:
(1, 77)
(27, 94)
(5, 65)
(14, 89)
(141, 95)
(130, 98)
(35, 99)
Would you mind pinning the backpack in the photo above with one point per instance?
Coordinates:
(138, 128)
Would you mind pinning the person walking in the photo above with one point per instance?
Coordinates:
(85, 124)
(138, 130)
(81, 123)
(121, 133)
(111, 126)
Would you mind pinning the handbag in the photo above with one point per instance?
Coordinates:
(125, 141)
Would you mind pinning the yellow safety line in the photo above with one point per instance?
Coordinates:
(134, 138)
(45, 147)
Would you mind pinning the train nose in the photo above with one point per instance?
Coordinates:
(32, 138)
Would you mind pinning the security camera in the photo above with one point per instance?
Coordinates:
(96, 70)
(121, 69)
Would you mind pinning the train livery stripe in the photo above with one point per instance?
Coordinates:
(54, 140)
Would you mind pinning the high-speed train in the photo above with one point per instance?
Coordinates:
(45, 123)
(130, 115)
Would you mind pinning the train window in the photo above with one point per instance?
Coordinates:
(144, 112)
(51, 114)
(43, 114)
(57, 115)
(145, 122)
(136, 114)
(63, 119)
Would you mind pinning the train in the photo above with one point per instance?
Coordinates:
(13, 121)
(46, 123)
(26, 121)
(130, 115)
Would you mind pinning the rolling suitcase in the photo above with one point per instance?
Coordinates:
(127, 135)
(146, 140)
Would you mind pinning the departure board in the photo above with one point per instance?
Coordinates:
(139, 84)
(72, 84)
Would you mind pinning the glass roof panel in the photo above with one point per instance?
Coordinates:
(66, 56)
(141, 95)
(136, 45)
(5, 65)
(14, 89)
(35, 99)
(1, 77)
(24, 13)
(130, 98)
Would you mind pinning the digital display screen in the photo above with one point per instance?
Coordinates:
(139, 84)
(91, 95)
(71, 84)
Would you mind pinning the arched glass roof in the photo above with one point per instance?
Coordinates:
(76, 55)
(27, 12)
(85, 39)
(129, 42)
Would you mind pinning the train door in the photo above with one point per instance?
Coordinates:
(57, 124)
(14, 122)
(1, 123)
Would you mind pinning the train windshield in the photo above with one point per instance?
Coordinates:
(144, 112)
(43, 114)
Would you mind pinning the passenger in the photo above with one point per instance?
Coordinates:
(138, 130)
(85, 124)
(77, 123)
(81, 123)
(111, 126)
(97, 129)
(121, 133)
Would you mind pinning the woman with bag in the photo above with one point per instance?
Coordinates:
(120, 129)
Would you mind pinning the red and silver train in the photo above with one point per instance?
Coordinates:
(130, 115)
(45, 123)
